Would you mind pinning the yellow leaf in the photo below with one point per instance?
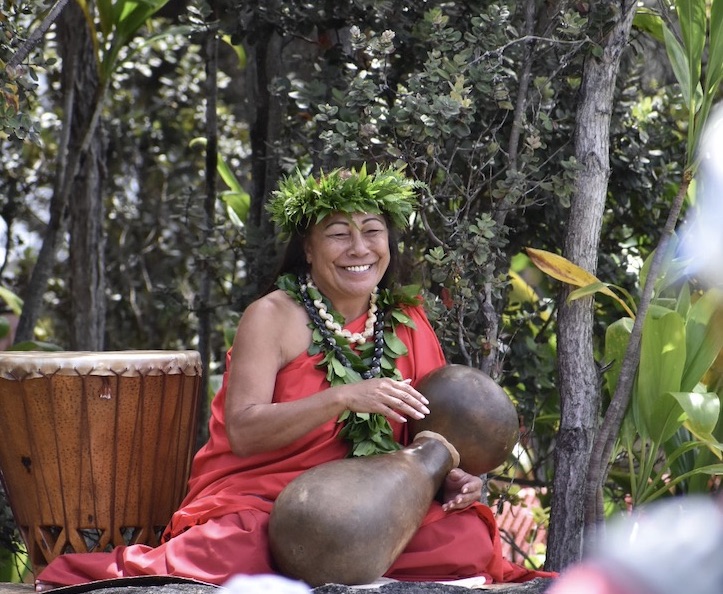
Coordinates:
(561, 268)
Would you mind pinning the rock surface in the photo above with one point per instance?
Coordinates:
(537, 586)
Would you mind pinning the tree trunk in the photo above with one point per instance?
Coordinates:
(79, 173)
(206, 270)
(264, 63)
(87, 262)
(579, 378)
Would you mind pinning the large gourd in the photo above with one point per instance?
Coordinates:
(473, 413)
(346, 521)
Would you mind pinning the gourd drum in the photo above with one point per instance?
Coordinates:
(346, 521)
(473, 412)
(95, 447)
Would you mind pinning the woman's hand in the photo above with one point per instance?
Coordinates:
(394, 399)
(460, 490)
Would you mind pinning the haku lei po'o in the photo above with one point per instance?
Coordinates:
(369, 433)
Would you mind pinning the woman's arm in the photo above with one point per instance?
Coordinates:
(272, 332)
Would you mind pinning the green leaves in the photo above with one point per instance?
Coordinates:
(691, 15)
(370, 434)
(671, 410)
(701, 33)
(304, 200)
(704, 337)
(14, 302)
(662, 359)
(119, 22)
(236, 198)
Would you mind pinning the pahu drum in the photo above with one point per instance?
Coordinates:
(95, 447)
(473, 412)
(346, 521)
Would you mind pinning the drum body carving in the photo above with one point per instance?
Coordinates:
(95, 447)
(346, 521)
(473, 412)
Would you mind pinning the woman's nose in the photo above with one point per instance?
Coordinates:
(358, 243)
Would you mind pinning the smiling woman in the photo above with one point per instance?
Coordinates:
(323, 367)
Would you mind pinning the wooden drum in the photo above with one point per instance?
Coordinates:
(95, 447)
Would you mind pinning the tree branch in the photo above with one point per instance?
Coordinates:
(24, 50)
(605, 439)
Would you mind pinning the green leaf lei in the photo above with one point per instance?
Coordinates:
(369, 433)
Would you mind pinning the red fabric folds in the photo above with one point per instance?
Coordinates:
(220, 528)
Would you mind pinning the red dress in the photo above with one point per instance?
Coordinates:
(221, 527)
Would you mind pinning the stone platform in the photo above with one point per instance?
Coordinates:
(147, 586)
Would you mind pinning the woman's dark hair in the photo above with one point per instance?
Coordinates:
(294, 258)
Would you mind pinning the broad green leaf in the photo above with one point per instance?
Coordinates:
(649, 21)
(237, 200)
(237, 206)
(338, 368)
(679, 63)
(675, 270)
(658, 311)
(105, 13)
(238, 50)
(671, 249)
(394, 344)
(682, 303)
(714, 73)
(703, 337)
(617, 337)
(129, 16)
(14, 302)
(133, 14)
(702, 411)
(691, 15)
(662, 357)
(228, 177)
(712, 469)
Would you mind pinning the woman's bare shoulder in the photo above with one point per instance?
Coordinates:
(275, 319)
(272, 304)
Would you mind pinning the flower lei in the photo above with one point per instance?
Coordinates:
(369, 433)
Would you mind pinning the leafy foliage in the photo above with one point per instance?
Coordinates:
(18, 83)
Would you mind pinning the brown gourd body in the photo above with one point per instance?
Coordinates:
(472, 412)
(346, 521)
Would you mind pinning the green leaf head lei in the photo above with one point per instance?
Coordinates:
(302, 201)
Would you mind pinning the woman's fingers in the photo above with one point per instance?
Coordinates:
(461, 490)
(394, 399)
(411, 401)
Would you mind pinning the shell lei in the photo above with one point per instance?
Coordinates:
(369, 433)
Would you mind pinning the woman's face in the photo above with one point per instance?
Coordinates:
(348, 254)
